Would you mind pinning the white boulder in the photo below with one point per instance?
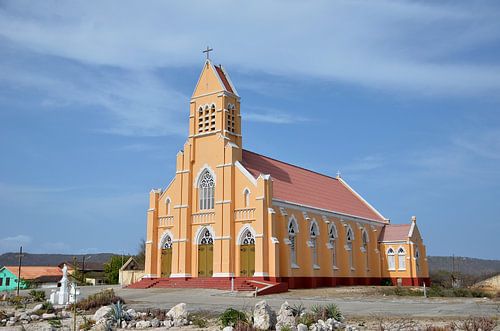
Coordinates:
(264, 318)
(102, 313)
(285, 317)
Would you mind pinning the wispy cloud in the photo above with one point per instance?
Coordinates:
(11, 244)
(269, 115)
(387, 44)
(482, 143)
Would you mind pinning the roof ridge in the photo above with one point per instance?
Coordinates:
(290, 164)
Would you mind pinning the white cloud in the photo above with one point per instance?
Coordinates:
(485, 144)
(268, 115)
(383, 44)
(12, 244)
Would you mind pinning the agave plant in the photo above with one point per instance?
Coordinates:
(118, 313)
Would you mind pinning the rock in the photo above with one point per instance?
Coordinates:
(228, 328)
(47, 316)
(155, 323)
(65, 314)
(285, 317)
(124, 325)
(13, 319)
(167, 324)
(102, 313)
(37, 308)
(351, 328)
(302, 327)
(132, 314)
(143, 324)
(178, 312)
(10, 323)
(264, 318)
(34, 317)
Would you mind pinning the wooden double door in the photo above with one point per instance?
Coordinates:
(247, 260)
(166, 262)
(205, 260)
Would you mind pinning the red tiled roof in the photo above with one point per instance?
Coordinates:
(306, 187)
(395, 232)
(224, 79)
(33, 272)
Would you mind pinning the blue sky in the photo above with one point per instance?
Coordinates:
(402, 97)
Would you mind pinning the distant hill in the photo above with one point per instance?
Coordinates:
(463, 265)
(50, 259)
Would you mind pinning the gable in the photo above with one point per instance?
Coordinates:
(308, 188)
(213, 79)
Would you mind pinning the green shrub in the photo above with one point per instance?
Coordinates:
(37, 295)
(117, 312)
(386, 282)
(200, 318)
(325, 312)
(298, 309)
(103, 298)
(87, 324)
(47, 307)
(307, 319)
(231, 316)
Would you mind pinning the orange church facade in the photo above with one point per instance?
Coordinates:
(232, 215)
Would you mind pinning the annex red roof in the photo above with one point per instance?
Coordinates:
(224, 79)
(395, 232)
(295, 184)
(34, 272)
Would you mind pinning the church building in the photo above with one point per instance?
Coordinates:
(231, 217)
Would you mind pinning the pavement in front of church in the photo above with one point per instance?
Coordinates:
(356, 301)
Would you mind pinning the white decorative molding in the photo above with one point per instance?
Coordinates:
(223, 238)
(151, 209)
(182, 172)
(274, 240)
(243, 230)
(181, 275)
(264, 176)
(286, 241)
(260, 197)
(295, 266)
(180, 206)
(149, 242)
(310, 243)
(260, 274)
(306, 217)
(202, 169)
(181, 240)
(325, 219)
(150, 276)
(343, 216)
(329, 246)
(222, 202)
(199, 233)
(164, 237)
(259, 235)
(224, 165)
(316, 267)
(271, 211)
(246, 173)
(283, 211)
(223, 274)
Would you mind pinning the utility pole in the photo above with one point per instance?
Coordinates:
(19, 269)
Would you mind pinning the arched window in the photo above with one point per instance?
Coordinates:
(313, 234)
(246, 197)
(206, 238)
(391, 259)
(167, 206)
(364, 237)
(206, 190)
(248, 238)
(332, 236)
(349, 238)
(292, 233)
(401, 259)
(417, 259)
(167, 242)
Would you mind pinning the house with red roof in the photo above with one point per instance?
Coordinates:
(233, 218)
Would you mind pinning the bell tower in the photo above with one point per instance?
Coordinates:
(215, 106)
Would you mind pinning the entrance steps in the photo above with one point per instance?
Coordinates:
(241, 284)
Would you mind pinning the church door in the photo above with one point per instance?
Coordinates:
(247, 255)
(166, 258)
(206, 255)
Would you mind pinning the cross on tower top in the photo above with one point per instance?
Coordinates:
(208, 50)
